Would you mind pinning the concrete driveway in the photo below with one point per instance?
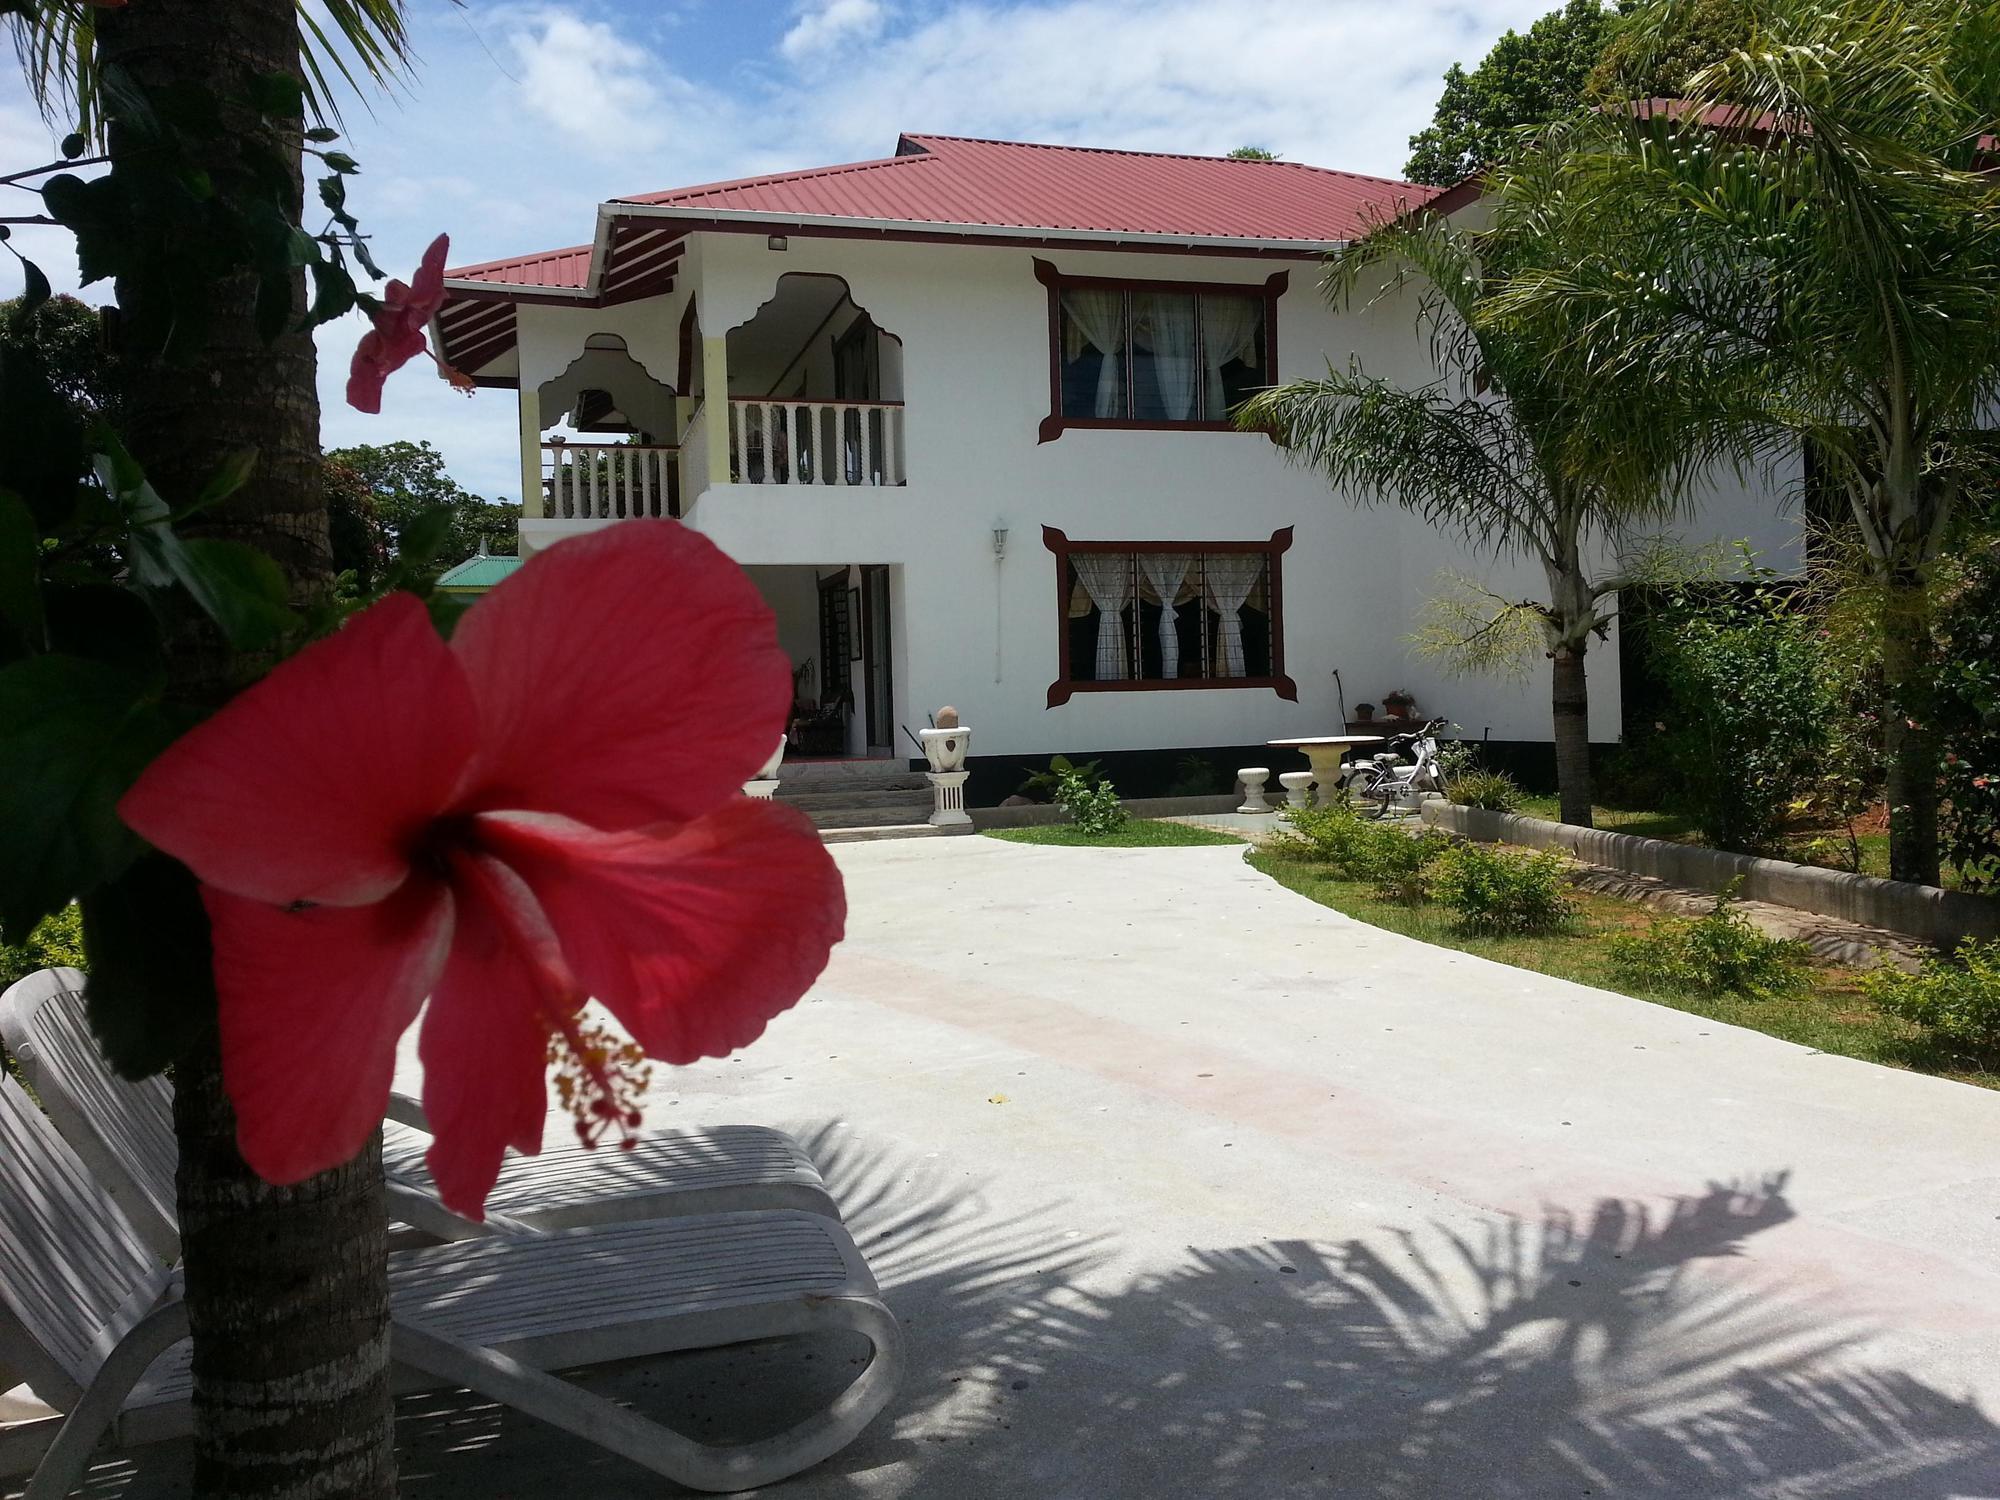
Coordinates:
(1185, 1186)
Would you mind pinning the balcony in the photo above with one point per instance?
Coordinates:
(797, 442)
(609, 481)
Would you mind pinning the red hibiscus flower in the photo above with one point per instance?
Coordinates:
(548, 808)
(400, 331)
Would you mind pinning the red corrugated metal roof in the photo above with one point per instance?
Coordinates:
(949, 180)
(546, 268)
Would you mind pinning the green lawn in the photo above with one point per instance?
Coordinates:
(1645, 823)
(1835, 1017)
(1138, 833)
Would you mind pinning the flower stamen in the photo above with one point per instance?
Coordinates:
(599, 1076)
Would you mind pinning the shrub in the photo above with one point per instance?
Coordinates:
(1194, 776)
(1752, 691)
(1399, 865)
(1721, 953)
(1501, 891)
(1092, 803)
(1955, 1000)
(56, 942)
(1042, 785)
(1335, 833)
(1495, 791)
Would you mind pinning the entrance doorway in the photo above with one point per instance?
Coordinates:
(876, 673)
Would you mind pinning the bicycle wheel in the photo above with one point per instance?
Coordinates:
(1376, 799)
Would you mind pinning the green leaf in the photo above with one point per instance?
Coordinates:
(340, 161)
(74, 735)
(445, 611)
(319, 135)
(151, 992)
(333, 294)
(240, 588)
(424, 537)
(36, 289)
(226, 481)
(20, 569)
(278, 94)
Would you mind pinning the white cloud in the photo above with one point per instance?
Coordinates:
(593, 85)
(832, 25)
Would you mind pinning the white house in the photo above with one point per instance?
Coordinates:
(959, 412)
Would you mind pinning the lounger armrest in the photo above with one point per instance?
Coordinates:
(404, 1109)
(423, 1211)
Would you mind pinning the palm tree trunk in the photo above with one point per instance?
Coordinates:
(287, 1288)
(1571, 701)
(1910, 738)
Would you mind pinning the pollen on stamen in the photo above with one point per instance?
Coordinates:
(600, 1078)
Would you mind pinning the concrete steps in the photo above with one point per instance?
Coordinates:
(887, 831)
(855, 800)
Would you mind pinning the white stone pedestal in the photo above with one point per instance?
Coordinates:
(1253, 779)
(948, 798)
(1298, 787)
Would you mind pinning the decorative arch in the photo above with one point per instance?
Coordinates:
(604, 382)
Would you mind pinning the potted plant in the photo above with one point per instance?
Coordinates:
(1364, 713)
(1399, 703)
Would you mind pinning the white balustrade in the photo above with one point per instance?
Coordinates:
(815, 442)
(610, 481)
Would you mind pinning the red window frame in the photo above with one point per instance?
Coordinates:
(1055, 424)
(1061, 690)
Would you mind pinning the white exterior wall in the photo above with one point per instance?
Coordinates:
(973, 326)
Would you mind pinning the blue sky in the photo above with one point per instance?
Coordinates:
(521, 117)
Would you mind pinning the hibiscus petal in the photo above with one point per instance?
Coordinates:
(427, 286)
(693, 937)
(627, 677)
(313, 784)
(484, 1045)
(311, 1003)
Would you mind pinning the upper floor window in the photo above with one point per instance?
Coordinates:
(1155, 353)
(1142, 615)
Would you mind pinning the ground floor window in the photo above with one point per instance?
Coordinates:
(1141, 616)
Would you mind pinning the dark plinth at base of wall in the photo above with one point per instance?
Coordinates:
(1939, 917)
(1157, 773)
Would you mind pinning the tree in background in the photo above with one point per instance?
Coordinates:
(1833, 282)
(1519, 446)
(1569, 60)
(1253, 153)
(376, 490)
(66, 336)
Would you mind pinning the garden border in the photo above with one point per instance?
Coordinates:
(1036, 814)
(1926, 912)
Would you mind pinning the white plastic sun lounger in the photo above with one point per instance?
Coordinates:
(92, 1321)
(124, 1133)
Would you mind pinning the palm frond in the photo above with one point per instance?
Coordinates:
(344, 44)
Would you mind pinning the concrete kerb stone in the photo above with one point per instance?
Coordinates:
(1939, 917)
(1041, 813)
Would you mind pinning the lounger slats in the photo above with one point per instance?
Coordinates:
(68, 1262)
(135, 1121)
(566, 1178)
(508, 1291)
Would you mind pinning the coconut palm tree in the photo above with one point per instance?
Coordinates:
(286, 1288)
(1812, 240)
(1517, 446)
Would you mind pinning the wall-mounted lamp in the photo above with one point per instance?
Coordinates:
(999, 541)
(778, 242)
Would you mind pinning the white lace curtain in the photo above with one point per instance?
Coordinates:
(1229, 578)
(1166, 571)
(1168, 324)
(1107, 578)
(1097, 317)
(1231, 328)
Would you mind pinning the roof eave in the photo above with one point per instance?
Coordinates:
(1306, 249)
